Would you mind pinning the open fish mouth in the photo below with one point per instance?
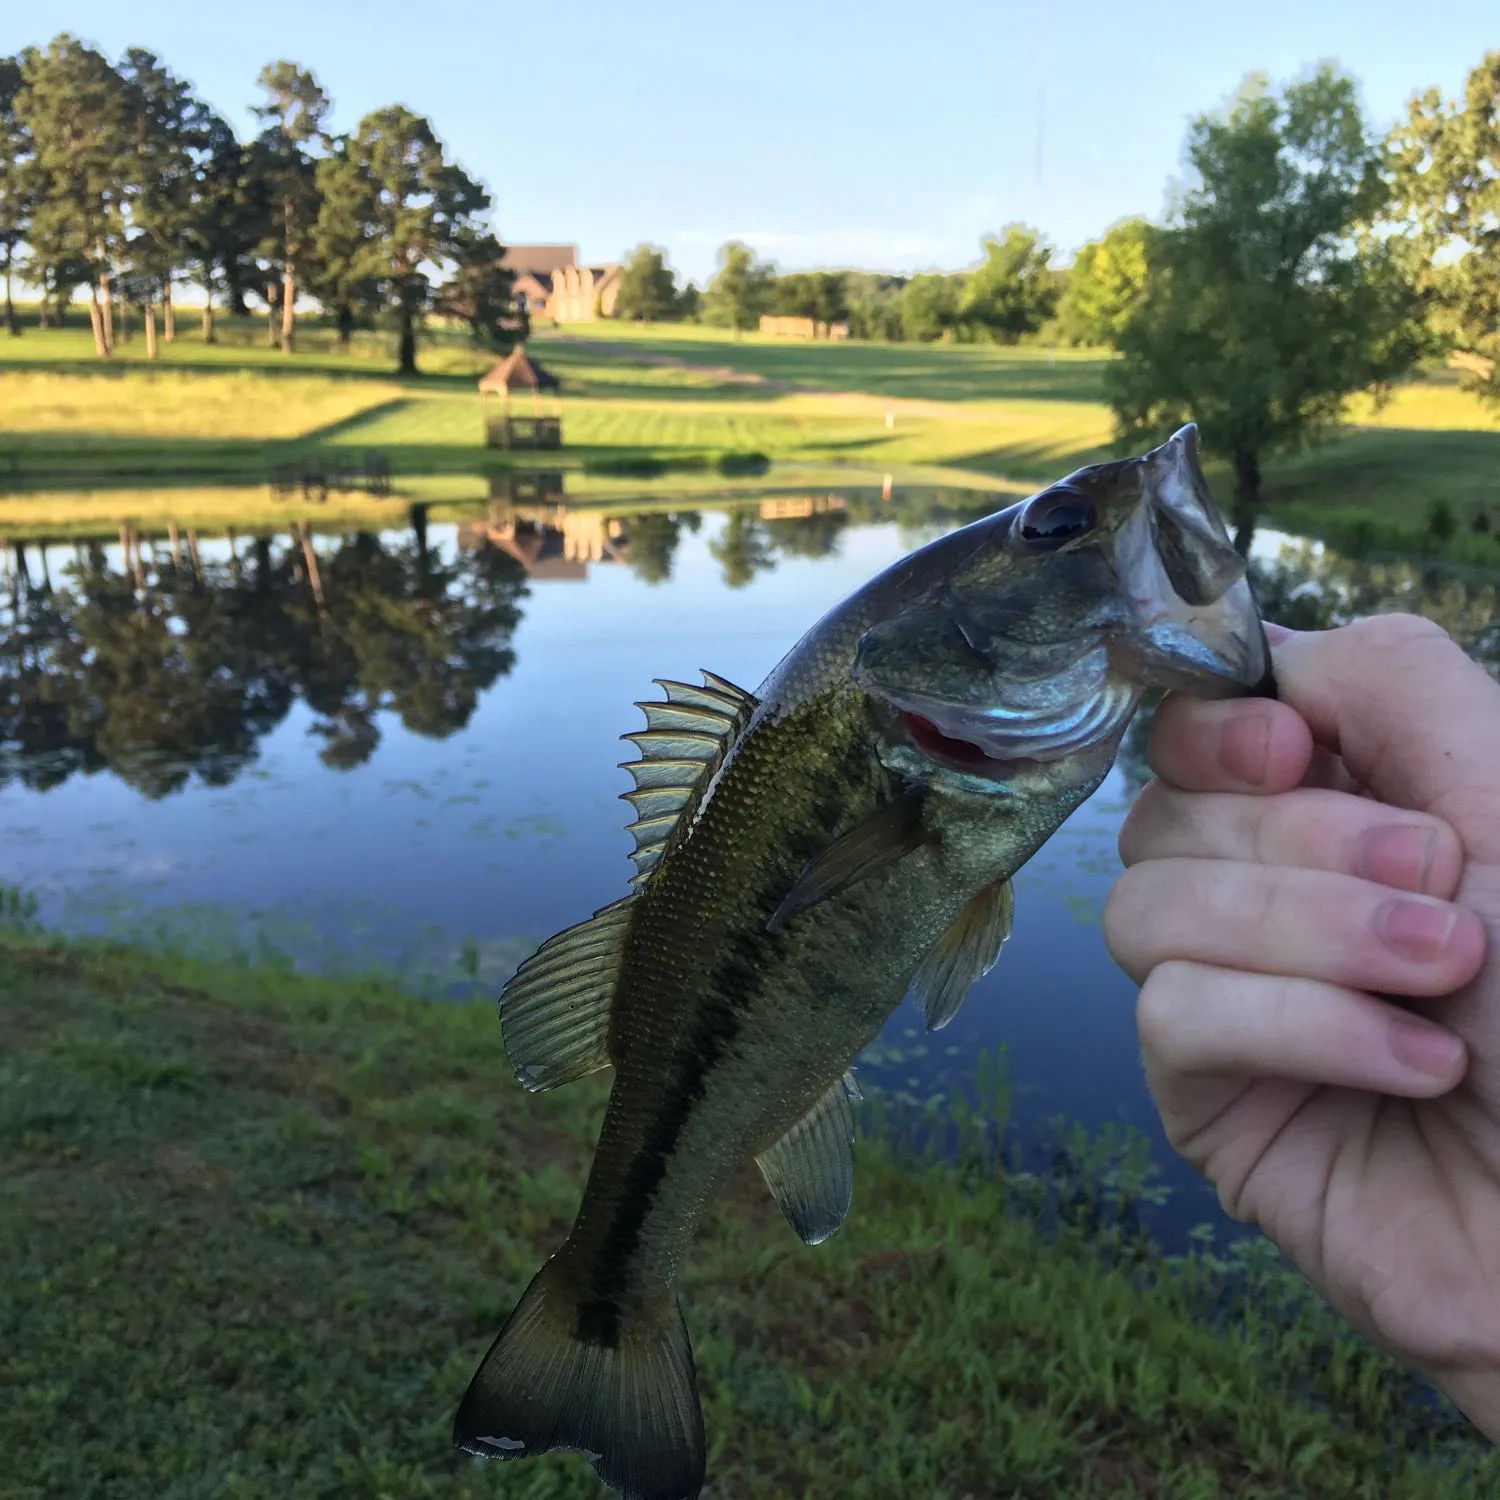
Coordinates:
(994, 744)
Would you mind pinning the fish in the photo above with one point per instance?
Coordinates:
(806, 856)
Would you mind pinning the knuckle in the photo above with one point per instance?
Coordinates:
(1158, 1009)
(1398, 632)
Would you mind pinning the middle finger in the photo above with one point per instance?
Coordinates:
(1308, 827)
(1278, 920)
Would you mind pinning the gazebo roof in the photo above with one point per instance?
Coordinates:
(517, 371)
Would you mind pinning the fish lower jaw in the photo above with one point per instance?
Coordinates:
(991, 748)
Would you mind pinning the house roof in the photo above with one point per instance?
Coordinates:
(517, 371)
(539, 259)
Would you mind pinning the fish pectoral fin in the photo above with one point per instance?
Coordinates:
(810, 1170)
(890, 833)
(554, 1010)
(964, 953)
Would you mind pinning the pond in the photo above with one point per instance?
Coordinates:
(399, 748)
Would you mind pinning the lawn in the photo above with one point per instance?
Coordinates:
(259, 1229)
(230, 411)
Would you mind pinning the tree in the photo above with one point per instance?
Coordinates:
(416, 210)
(74, 104)
(648, 289)
(1264, 310)
(740, 290)
(294, 111)
(930, 306)
(1104, 284)
(342, 268)
(822, 296)
(481, 292)
(1446, 179)
(874, 305)
(1012, 291)
(743, 548)
(17, 180)
(225, 222)
(169, 129)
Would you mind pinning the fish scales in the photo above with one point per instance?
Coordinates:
(812, 854)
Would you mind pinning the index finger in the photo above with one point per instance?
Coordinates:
(1414, 719)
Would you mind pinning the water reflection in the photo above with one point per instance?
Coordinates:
(159, 664)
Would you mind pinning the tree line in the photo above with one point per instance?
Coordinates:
(116, 178)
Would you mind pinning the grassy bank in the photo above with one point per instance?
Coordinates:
(234, 410)
(258, 1230)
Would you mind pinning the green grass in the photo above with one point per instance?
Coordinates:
(257, 1231)
(229, 412)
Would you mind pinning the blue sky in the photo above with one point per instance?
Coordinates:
(877, 134)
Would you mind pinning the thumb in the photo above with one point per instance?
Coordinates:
(1414, 719)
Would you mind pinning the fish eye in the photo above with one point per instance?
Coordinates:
(1056, 517)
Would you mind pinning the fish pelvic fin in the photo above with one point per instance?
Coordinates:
(810, 1170)
(617, 1384)
(554, 1010)
(685, 741)
(966, 952)
(890, 833)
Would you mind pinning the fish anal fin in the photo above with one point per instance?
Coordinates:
(965, 952)
(683, 744)
(810, 1170)
(617, 1383)
(554, 1010)
(890, 833)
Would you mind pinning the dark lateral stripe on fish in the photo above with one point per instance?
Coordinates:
(598, 1320)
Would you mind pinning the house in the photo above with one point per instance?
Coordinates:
(551, 284)
(802, 328)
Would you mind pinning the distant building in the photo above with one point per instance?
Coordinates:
(802, 328)
(551, 284)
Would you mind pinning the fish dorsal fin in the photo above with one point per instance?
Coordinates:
(554, 1010)
(810, 1170)
(684, 742)
(964, 953)
(888, 834)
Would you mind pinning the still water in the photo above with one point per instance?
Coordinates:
(401, 749)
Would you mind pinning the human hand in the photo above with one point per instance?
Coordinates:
(1260, 913)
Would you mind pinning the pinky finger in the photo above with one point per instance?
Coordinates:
(1201, 1025)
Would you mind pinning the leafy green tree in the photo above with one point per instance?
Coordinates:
(342, 269)
(874, 305)
(690, 304)
(169, 131)
(648, 289)
(930, 306)
(740, 290)
(76, 108)
(1012, 291)
(17, 181)
(1106, 280)
(293, 114)
(417, 212)
(1446, 179)
(654, 536)
(225, 221)
(822, 296)
(1263, 311)
(481, 292)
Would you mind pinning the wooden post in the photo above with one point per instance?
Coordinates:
(173, 545)
(193, 557)
(304, 532)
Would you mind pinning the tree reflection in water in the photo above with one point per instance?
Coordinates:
(182, 668)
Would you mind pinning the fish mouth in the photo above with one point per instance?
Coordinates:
(995, 744)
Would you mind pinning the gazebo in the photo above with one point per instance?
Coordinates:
(519, 372)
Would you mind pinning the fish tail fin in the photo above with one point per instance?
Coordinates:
(568, 1371)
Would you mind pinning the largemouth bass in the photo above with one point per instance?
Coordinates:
(807, 855)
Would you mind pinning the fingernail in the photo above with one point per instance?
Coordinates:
(1416, 929)
(1245, 746)
(1399, 854)
(1420, 1045)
